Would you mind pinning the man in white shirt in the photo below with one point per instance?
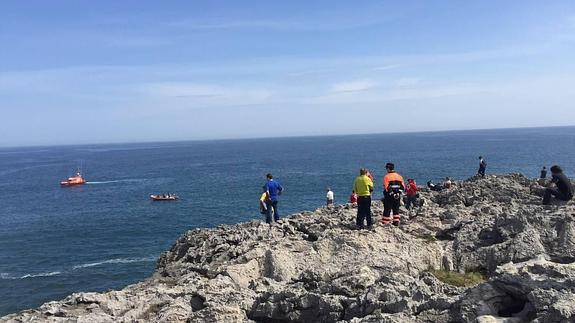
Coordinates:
(329, 198)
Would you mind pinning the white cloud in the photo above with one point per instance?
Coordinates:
(408, 81)
(206, 94)
(353, 86)
(386, 67)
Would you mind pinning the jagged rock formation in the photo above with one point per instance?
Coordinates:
(315, 267)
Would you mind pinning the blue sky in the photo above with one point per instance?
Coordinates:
(124, 71)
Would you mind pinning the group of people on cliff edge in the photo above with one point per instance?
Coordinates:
(393, 188)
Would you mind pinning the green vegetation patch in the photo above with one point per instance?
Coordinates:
(457, 279)
(429, 238)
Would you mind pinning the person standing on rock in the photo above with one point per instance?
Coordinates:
(393, 187)
(543, 174)
(329, 198)
(363, 187)
(274, 190)
(353, 198)
(482, 166)
(411, 194)
(563, 189)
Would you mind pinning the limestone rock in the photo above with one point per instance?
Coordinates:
(315, 267)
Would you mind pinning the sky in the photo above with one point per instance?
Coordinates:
(75, 72)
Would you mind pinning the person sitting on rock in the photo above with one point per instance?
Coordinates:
(433, 187)
(447, 183)
(363, 185)
(411, 194)
(393, 187)
(563, 189)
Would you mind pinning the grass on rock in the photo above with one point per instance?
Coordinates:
(457, 279)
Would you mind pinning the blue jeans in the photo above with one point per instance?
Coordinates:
(272, 205)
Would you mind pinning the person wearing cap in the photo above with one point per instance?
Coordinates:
(482, 167)
(363, 187)
(393, 186)
(563, 189)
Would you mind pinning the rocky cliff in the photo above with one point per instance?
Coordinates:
(315, 267)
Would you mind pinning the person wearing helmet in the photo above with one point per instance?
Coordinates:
(393, 187)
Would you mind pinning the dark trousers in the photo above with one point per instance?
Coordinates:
(363, 211)
(410, 201)
(554, 192)
(481, 171)
(272, 205)
(391, 204)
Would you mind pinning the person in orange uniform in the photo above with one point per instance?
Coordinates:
(393, 187)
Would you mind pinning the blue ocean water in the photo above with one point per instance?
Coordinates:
(107, 234)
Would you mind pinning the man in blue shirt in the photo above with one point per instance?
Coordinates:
(274, 190)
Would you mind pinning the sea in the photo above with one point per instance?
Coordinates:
(108, 233)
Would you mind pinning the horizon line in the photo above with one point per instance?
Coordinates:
(275, 137)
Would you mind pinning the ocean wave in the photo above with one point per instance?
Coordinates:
(46, 274)
(115, 261)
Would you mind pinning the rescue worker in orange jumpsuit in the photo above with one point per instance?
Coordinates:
(393, 187)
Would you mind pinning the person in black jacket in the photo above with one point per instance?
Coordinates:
(482, 167)
(563, 189)
(543, 174)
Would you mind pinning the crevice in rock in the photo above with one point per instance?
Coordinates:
(515, 306)
(197, 302)
(562, 259)
(490, 237)
(447, 234)
(307, 235)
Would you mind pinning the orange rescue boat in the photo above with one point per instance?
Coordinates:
(74, 180)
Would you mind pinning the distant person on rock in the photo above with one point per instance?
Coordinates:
(363, 186)
(434, 187)
(393, 187)
(563, 189)
(543, 174)
(411, 194)
(447, 183)
(482, 167)
(263, 198)
(329, 198)
(274, 190)
(353, 198)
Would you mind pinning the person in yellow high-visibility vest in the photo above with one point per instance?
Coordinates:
(363, 187)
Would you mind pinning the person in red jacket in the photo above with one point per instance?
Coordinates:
(353, 198)
(411, 193)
